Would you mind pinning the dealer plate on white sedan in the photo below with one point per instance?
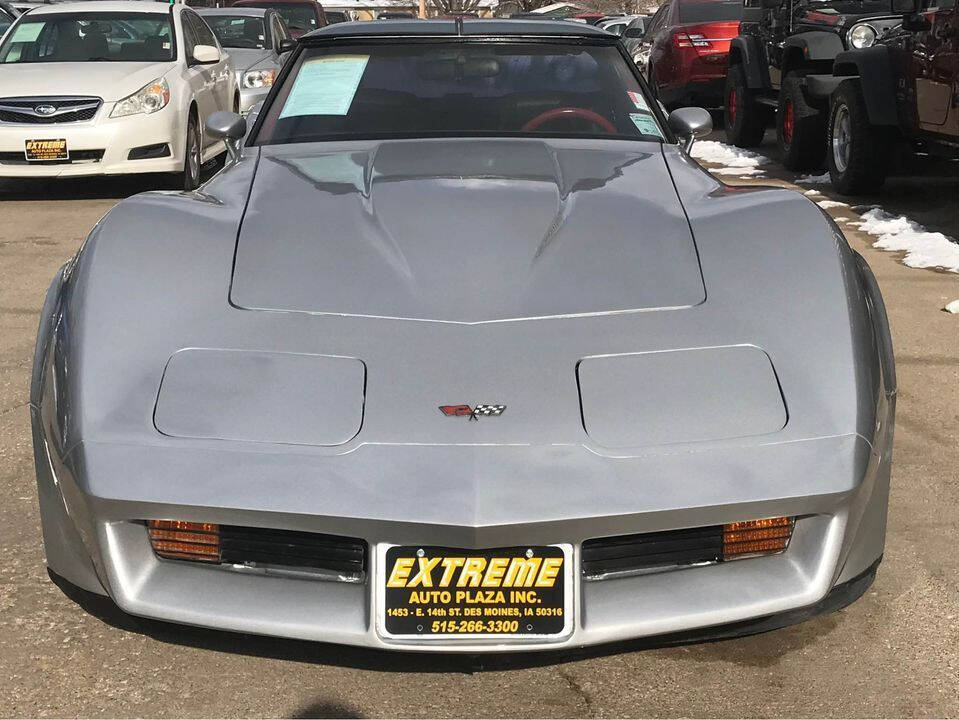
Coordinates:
(434, 592)
(45, 150)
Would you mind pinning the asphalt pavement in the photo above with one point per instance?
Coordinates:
(895, 652)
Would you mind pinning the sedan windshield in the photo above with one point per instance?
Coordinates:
(236, 31)
(423, 89)
(90, 37)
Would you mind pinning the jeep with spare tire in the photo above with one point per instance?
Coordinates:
(900, 96)
(781, 65)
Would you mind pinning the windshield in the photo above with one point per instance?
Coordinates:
(459, 89)
(237, 31)
(710, 11)
(299, 16)
(90, 37)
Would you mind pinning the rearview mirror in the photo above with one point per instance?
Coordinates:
(205, 54)
(286, 44)
(690, 123)
(635, 33)
(229, 127)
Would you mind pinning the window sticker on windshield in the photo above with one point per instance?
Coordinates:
(638, 100)
(325, 86)
(645, 123)
(27, 32)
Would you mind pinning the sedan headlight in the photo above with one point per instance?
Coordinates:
(861, 36)
(258, 78)
(148, 99)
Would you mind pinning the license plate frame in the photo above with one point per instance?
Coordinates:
(35, 151)
(538, 628)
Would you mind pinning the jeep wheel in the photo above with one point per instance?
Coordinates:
(744, 118)
(858, 152)
(800, 128)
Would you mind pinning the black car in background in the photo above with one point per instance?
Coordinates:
(782, 63)
(903, 92)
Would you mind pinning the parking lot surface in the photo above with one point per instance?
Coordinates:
(895, 652)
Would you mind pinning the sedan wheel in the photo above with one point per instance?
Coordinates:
(193, 159)
(840, 138)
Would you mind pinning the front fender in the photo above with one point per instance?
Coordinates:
(874, 68)
(815, 45)
(751, 57)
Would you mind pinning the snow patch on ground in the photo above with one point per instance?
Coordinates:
(811, 192)
(733, 160)
(952, 307)
(826, 204)
(923, 249)
(813, 179)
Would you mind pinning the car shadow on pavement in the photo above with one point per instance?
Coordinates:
(318, 653)
(323, 709)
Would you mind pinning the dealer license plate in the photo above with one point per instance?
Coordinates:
(438, 592)
(40, 150)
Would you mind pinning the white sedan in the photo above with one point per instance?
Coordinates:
(111, 88)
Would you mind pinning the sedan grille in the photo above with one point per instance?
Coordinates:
(48, 110)
(650, 552)
(260, 549)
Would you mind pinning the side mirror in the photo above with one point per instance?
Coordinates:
(690, 123)
(916, 23)
(286, 44)
(229, 127)
(205, 54)
(635, 33)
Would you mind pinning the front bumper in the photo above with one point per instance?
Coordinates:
(93, 541)
(249, 97)
(115, 137)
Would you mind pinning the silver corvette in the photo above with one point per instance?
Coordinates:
(462, 352)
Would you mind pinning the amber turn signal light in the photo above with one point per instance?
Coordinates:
(179, 540)
(756, 537)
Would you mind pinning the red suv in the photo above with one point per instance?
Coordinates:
(686, 50)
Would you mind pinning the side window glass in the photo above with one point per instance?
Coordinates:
(658, 19)
(204, 36)
(189, 36)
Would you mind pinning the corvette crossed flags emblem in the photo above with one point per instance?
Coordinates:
(474, 413)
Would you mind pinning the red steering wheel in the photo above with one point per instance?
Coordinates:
(569, 112)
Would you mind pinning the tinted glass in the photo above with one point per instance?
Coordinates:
(90, 37)
(459, 89)
(236, 31)
(336, 16)
(6, 20)
(300, 17)
(204, 36)
(709, 11)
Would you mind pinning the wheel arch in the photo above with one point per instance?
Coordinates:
(745, 51)
(810, 48)
(872, 67)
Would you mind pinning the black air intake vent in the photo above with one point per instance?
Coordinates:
(288, 548)
(76, 156)
(648, 551)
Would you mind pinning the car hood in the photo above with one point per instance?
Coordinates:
(465, 231)
(108, 80)
(246, 58)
